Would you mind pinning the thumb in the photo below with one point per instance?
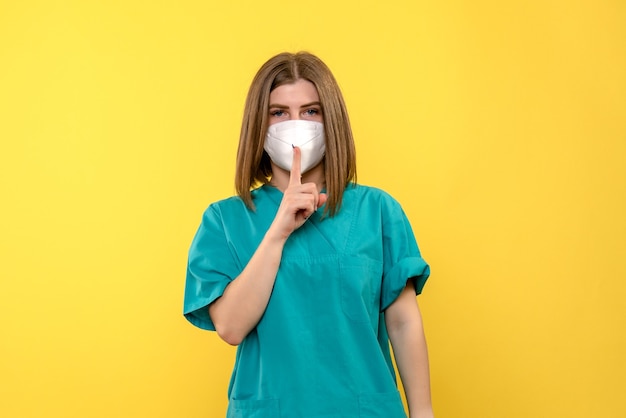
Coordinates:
(321, 199)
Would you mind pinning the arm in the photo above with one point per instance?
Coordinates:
(406, 332)
(244, 300)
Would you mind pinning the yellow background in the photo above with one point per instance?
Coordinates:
(499, 125)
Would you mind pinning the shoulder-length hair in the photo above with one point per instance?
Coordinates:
(253, 163)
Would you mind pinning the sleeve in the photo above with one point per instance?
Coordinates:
(401, 256)
(210, 268)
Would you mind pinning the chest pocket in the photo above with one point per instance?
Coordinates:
(361, 280)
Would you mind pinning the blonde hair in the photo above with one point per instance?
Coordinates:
(253, 163)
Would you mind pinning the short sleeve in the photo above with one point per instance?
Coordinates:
(401, 256)
(211, 267)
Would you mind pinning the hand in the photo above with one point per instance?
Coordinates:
(299, 202)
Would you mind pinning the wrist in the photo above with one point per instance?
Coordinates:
(426, 412)
(275, 236)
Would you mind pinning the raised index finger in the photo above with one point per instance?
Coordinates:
(295, 176)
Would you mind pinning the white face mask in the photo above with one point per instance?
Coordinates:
(307, 135)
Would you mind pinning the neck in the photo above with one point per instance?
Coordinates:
(280, 177)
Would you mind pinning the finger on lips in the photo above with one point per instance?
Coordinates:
(295, 179)
(295, 175)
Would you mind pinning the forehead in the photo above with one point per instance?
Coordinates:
(300, 91)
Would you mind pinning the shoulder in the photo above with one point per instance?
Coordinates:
(370, 194)
(235, 209)
(368, 203)
(225, 205)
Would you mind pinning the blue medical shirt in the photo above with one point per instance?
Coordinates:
(321, 348)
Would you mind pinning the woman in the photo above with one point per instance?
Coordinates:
(310, 274)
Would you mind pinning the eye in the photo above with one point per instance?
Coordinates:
(277, 113)
(312, 112)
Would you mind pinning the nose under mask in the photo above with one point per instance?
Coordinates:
(305, 134)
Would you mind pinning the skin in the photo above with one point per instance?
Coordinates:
(296, 101)
(406, 333)
(244, 301)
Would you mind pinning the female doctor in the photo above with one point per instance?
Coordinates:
(310, 274)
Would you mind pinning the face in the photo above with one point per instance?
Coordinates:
(297, 100)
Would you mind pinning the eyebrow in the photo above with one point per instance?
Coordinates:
(279, 106)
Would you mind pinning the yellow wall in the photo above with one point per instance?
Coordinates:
(499, 125)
